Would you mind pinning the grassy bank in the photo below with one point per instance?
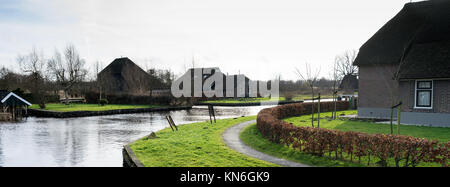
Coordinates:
(441, 134)
(89, 107)
(258, 100)
(194, 145)
(253, 138)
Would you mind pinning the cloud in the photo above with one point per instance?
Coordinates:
(271, 36)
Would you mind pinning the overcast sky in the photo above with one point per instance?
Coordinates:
(259, 38)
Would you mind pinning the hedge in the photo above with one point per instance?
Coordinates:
(403, 150)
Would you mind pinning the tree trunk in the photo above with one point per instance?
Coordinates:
(399, 111)
(335, 108)
(318, 112)
(66, 97)
(392, 114)
(312, 107)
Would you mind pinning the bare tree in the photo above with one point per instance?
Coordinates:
(98, 80)
(67, 72)
(33, 64)
(344, 63)
(310, 78)
(336, 78)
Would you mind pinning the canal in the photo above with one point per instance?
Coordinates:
(91, 141)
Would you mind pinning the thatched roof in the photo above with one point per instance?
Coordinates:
(118, 65)
(123, 76)
(349, 82)
(420, 33)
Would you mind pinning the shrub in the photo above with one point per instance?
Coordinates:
(404, 150)
(103, 102)
(289, 96)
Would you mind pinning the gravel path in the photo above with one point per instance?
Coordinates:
(232, 138)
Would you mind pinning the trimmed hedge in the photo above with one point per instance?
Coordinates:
(404, 150)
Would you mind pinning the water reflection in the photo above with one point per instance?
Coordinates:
(90, 141)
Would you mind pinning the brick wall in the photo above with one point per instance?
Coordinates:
(441, 96)
(375, 86)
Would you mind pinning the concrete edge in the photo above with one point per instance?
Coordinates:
(129, 158)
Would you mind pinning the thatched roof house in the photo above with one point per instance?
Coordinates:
(349, 84)
(123, 76)
(415, 44)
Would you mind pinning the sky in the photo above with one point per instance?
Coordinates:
(259, 38)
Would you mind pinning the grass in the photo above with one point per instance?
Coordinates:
(194, 145)
(257, 100)
(441, 134)
(59, 107)
(253, 138)
(431, 133)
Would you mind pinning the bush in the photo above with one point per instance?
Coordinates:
(404, 150)
(289, 96)
(103, 102)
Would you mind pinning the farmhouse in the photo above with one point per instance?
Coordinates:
(124, 77)
(408, 61)
(349, 84)
(232, 85)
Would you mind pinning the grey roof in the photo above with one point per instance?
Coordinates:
(10, 98)
(420, 34)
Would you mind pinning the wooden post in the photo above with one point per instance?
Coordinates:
(213, 113)
(170, 124)
(210, 115)
(13, 112)
(173, 123)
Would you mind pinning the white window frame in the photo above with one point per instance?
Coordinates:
(431, 96)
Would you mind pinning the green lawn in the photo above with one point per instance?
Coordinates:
(194, 145)
(257, 100)
(441, 134)
(253, 138)
(88, 107)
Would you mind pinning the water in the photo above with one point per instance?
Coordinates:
(91, 141)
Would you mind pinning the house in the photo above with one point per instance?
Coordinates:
(11, 106)
(124, 77)
(349, 84)
(415, 46)
(72, 96)
(230, 85)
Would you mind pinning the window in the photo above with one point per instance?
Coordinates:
(424, 94)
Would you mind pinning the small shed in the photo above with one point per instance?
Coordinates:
(12, 106)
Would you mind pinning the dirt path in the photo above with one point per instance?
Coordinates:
(232, 138)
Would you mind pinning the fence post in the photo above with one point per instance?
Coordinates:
(211, 113)
(170, 124)
(173, 123)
